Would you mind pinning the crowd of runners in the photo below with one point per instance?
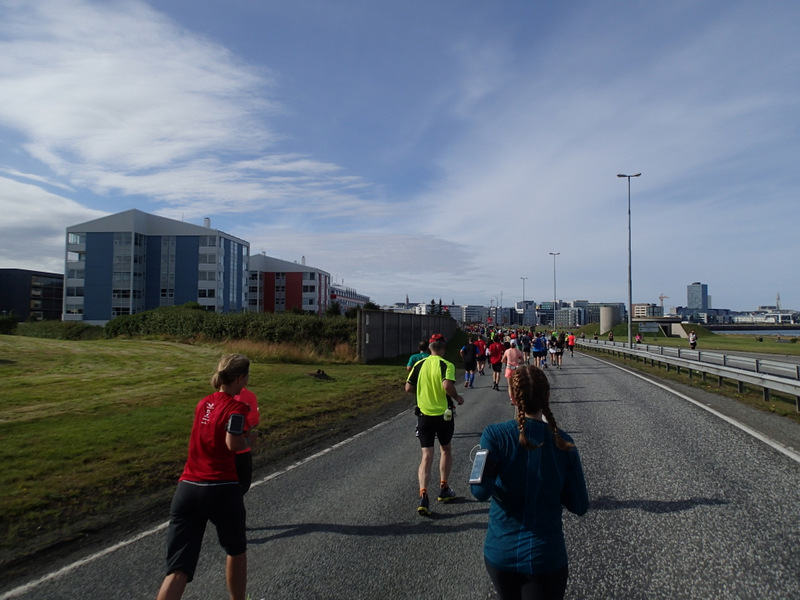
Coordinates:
(512, 348)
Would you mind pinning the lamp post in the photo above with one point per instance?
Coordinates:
(555, 301)
(630, 291)
(523, 299)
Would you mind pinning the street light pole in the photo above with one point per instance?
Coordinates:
(523, 299)
(630, 286)
(555, 301)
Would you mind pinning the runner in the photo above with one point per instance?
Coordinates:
(513, 359)
(481, 345)
(540, 351)
(433, 381)
(469, 355)
(496, 350)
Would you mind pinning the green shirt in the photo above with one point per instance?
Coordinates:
(427, 377)
(415, 358)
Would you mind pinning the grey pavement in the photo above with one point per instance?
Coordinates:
(682, 505)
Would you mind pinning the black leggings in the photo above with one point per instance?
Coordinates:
(244, 469)
(511, 585)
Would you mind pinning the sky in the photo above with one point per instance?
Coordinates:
(422, 149)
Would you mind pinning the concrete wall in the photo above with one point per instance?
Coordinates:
(388, 335)
(609, 316)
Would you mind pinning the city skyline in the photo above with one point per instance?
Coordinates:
(430, 150)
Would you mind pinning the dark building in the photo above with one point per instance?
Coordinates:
(35, 294)
(697, 296)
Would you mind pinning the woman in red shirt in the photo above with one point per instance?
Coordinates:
(208, 489)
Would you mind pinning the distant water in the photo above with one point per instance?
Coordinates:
(762, 332)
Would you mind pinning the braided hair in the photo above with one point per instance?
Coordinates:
(531, 391)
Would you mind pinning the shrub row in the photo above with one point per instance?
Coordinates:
(8, 323)
(187, 323)
(60, 330)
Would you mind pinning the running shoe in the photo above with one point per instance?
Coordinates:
(446, 494)
(423, 508)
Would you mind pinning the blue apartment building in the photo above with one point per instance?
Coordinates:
(132, 261)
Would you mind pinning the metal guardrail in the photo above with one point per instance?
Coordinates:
(769, 375)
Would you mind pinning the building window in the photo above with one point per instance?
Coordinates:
(309, 288)
(73, 309)
(203, 293)
(76, 238)
(75, 291)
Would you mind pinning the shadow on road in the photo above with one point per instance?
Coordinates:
(652, 506)
(387, 530)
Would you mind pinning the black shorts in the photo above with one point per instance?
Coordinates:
(193, 505)
(471, 365)
(497, 367)
(430, 428)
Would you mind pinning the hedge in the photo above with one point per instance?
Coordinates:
(187, 323)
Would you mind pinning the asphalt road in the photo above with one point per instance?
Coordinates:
(683, 505)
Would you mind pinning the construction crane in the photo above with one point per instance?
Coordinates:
(662, 297)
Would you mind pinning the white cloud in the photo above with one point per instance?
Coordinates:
(34, 226)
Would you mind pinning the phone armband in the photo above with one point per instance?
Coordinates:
(235, 424)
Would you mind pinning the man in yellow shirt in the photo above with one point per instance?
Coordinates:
(434, 381)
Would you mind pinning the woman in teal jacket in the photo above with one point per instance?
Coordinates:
(533, 469)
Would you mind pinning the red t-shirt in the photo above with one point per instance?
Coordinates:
(250, 399)
(496, 351)
(481, 348)
(209, 458)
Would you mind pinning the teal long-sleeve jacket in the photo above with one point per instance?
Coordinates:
(525, 531)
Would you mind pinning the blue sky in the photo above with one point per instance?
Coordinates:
(431, 149)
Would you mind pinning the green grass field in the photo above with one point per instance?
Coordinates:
(87, 425)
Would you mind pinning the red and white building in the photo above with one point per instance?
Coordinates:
(277, 286)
